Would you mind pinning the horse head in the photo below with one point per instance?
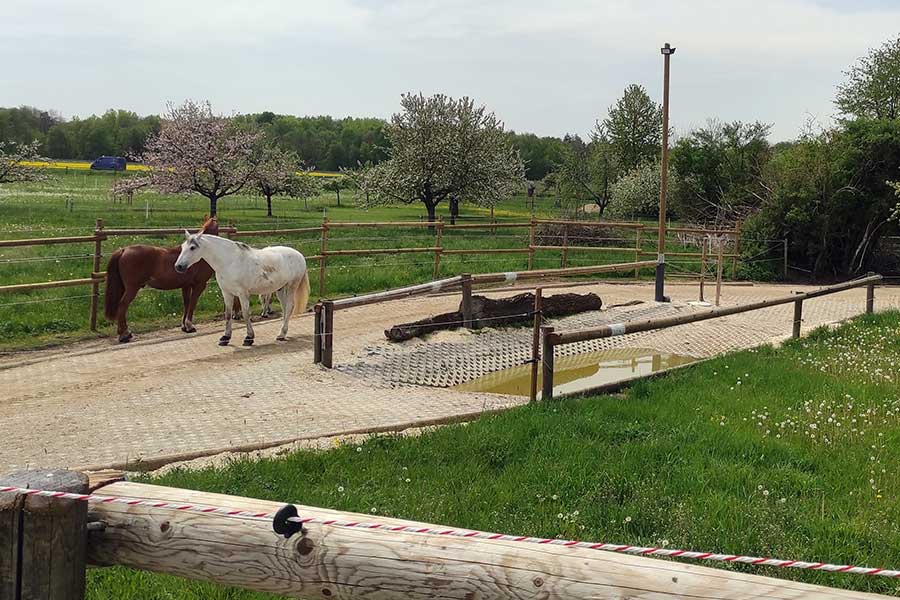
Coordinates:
(210, 226)
(190, 251)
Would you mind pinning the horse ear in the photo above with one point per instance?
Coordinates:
(187, 234)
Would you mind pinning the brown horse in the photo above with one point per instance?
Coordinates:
(131, 268)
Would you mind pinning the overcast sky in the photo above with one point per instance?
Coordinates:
(542, 66)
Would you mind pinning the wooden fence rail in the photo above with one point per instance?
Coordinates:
(327, 561)
(552, 338)
(326, 238)
(324, 321)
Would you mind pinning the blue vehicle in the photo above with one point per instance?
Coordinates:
(108, 163)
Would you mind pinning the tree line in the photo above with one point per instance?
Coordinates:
(832, 192)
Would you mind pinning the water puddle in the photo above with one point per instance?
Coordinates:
(580, 372)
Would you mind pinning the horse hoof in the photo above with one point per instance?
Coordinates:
(124, 339)
(281, 338)
(224, 340)
(189, 329)
(248, 341)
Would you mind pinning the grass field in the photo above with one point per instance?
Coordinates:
(70, 203)
(787, 452)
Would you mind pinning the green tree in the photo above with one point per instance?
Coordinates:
(721, 168)
(589, 170)
(829, 194)
(633, 128)
(872, 89)
(58, 143)
(541, 154)
(441, 149)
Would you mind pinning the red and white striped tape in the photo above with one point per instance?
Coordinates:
(464, 533)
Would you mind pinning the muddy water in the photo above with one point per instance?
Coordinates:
(580, 372)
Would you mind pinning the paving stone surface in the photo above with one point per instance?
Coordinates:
(97, 403)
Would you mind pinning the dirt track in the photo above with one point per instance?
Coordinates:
(98, 403)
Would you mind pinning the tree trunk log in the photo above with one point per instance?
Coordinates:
(333, 562)
(490, 312)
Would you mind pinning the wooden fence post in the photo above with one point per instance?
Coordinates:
(702, 266)
(531, 232)
(95, 287)
(328, 334)
(536, 342)
(43, 541)
(547, 356)
(564, 257)
(719, 270)
(638, 241)
(870, 298)
(438, 248)
(323, 251)
(467, 300)
(798, 318)
(317, 334)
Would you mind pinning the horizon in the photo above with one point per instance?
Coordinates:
(542, 70)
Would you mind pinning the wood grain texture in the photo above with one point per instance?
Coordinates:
(49, 560)
(330, 562)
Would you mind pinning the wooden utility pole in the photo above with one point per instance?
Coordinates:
(667, 52)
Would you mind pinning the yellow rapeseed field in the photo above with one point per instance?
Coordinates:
(86, 165)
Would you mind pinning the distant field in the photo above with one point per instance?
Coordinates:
(85, 165)
(70, 203)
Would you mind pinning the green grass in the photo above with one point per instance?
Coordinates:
(70, 204)
(787, 452)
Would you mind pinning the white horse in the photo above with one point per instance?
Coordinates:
(242, 271)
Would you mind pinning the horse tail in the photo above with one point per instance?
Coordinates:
(301, 295)
(115, 287)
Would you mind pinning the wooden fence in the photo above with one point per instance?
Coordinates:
(323, 333)
(326, 249)
(46, 544)
(552, 338)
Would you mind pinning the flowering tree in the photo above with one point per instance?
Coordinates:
(442, 149)
(281, 173)
(12, 163)
(200, 152)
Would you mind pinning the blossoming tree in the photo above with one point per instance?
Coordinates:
(281, 173)
(13, 162)
(441, 149)
(200, 152)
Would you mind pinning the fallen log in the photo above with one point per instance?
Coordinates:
(494, 312)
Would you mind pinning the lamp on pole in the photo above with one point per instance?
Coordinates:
(667, 51)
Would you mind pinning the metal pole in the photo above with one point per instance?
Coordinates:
(547, 356)
(536, 343)
(667, 51)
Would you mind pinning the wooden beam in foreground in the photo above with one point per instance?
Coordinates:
(332, 562)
